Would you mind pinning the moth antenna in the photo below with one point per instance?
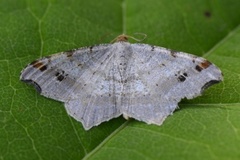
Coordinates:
(139, 40)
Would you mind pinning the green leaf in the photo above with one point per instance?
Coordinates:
(34, 127)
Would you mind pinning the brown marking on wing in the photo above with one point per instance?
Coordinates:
(205, 64)
(39, 65)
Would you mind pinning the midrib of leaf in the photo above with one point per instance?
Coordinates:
(108, 138)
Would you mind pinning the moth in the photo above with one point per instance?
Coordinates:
(104, 81)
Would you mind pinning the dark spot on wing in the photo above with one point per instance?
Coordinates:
(198, 68)
(185, 74)
(181, 78)
(31, 82)
(60, 75)
(173, 53)
(60, 78)
(152, 48)
(80, 64)
(91, 48)
(57, 74)
(208, 84)
(207, 14)
(69, 53)
(43, 68)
